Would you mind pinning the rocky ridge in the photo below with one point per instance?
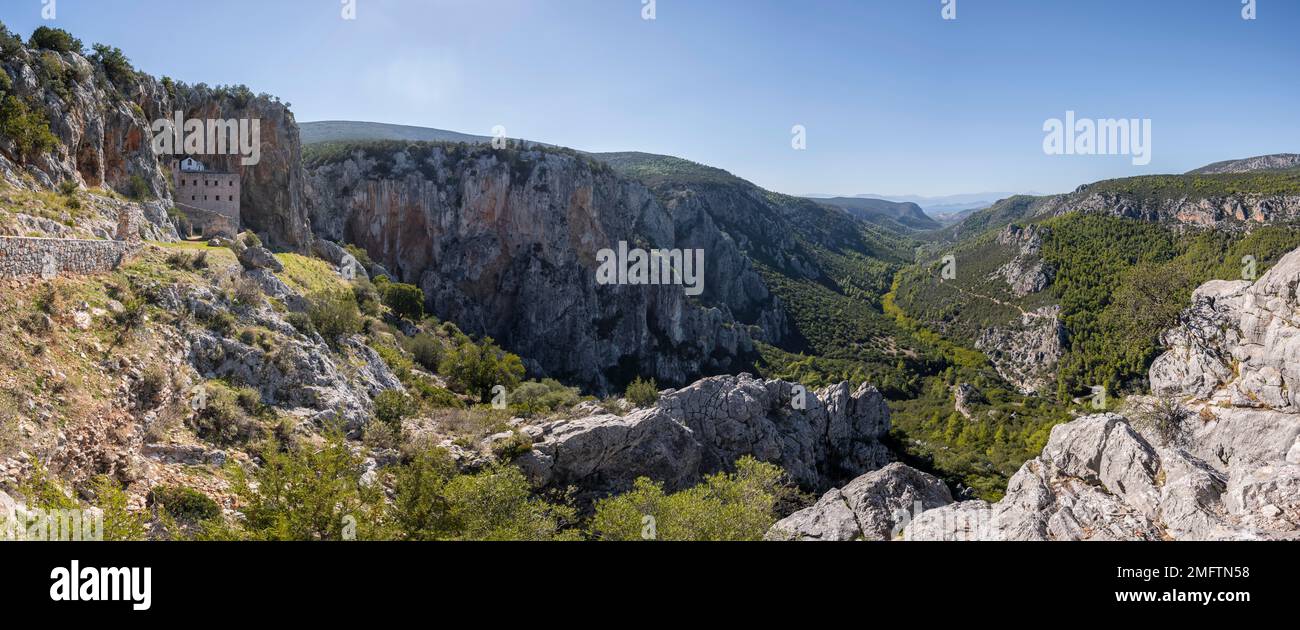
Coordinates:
(1221, 461)
(819, 438)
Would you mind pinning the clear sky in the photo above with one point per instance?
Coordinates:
(895, 99)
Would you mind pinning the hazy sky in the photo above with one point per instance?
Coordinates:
(895, 99)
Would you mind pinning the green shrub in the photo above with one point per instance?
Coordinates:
(508, 449)
(405, 300)
(224, 417)
(302, 323)
(139, 189)
(549, 395)
(477, 368)
(221, 322)
(735, 506)
(392, 407)
(55, 39)
(334, 314)
(28, 127)
(184, 504)
(120, 524)
(433, 503)
(367, 297)
(433, 397)
(116, 66)
(426, 349)
(642, 393)
(309, 493)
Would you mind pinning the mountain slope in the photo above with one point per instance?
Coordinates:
(902, 217)
(1276, 161)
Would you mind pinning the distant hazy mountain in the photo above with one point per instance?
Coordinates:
(352, 131)
(1273, 162)
(945, 209)
(896, 216)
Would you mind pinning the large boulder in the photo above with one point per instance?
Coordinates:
(871, 507)
(253, 258)
(819, 438)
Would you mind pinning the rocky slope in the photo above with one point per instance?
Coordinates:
(101, 120)
(1276, 161)
(505, 243)
(819, 438)
(875, 506)
(1219, 459)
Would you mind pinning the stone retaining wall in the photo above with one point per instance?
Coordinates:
(52, 257)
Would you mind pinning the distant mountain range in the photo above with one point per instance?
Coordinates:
(896, 216)
(945, 209)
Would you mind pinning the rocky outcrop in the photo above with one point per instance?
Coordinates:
(1026, 273)
(301, 374)
(1026, 353)
(1099, 479)
(102, 125)
(1231, 474)
(1229, 212)
(505, 244)
(871, 507)
(1250, 165)
(819, 438)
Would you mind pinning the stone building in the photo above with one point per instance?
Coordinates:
(208, 199)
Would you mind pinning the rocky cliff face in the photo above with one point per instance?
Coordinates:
(1026, 353)
(819, 438)
(1225, 212)
(505, 243)
(103, 129)
(1223, 462)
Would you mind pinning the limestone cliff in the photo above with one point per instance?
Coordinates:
(505, 243)
(101, 118)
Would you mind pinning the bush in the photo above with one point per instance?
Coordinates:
(139, 189)
(547, 396)
(188, 261)
(120, 524)
(310, 493)
(116, 66)
(247, 291)
(302, 323)
(477, 368)
(224, 417)
(642, 393)
(367, 297)
(1166, 420)
(221, 322)
(28, 127)
(405, 300)
(426, 349)
(153, 381)
(433, 503)
(55, 39)
(183, 504)
(392, 407)
(508, 449)
(735, 506)
(334, 314)
(433, 397)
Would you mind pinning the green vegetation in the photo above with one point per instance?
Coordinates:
(726, 506)
(55, 39)
(642, 393)
(184, 504)
(334, 314)
(405, 300)
(306, 493)
(476, 368)
(28, 127)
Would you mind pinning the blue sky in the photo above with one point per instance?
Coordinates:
(895, 99)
